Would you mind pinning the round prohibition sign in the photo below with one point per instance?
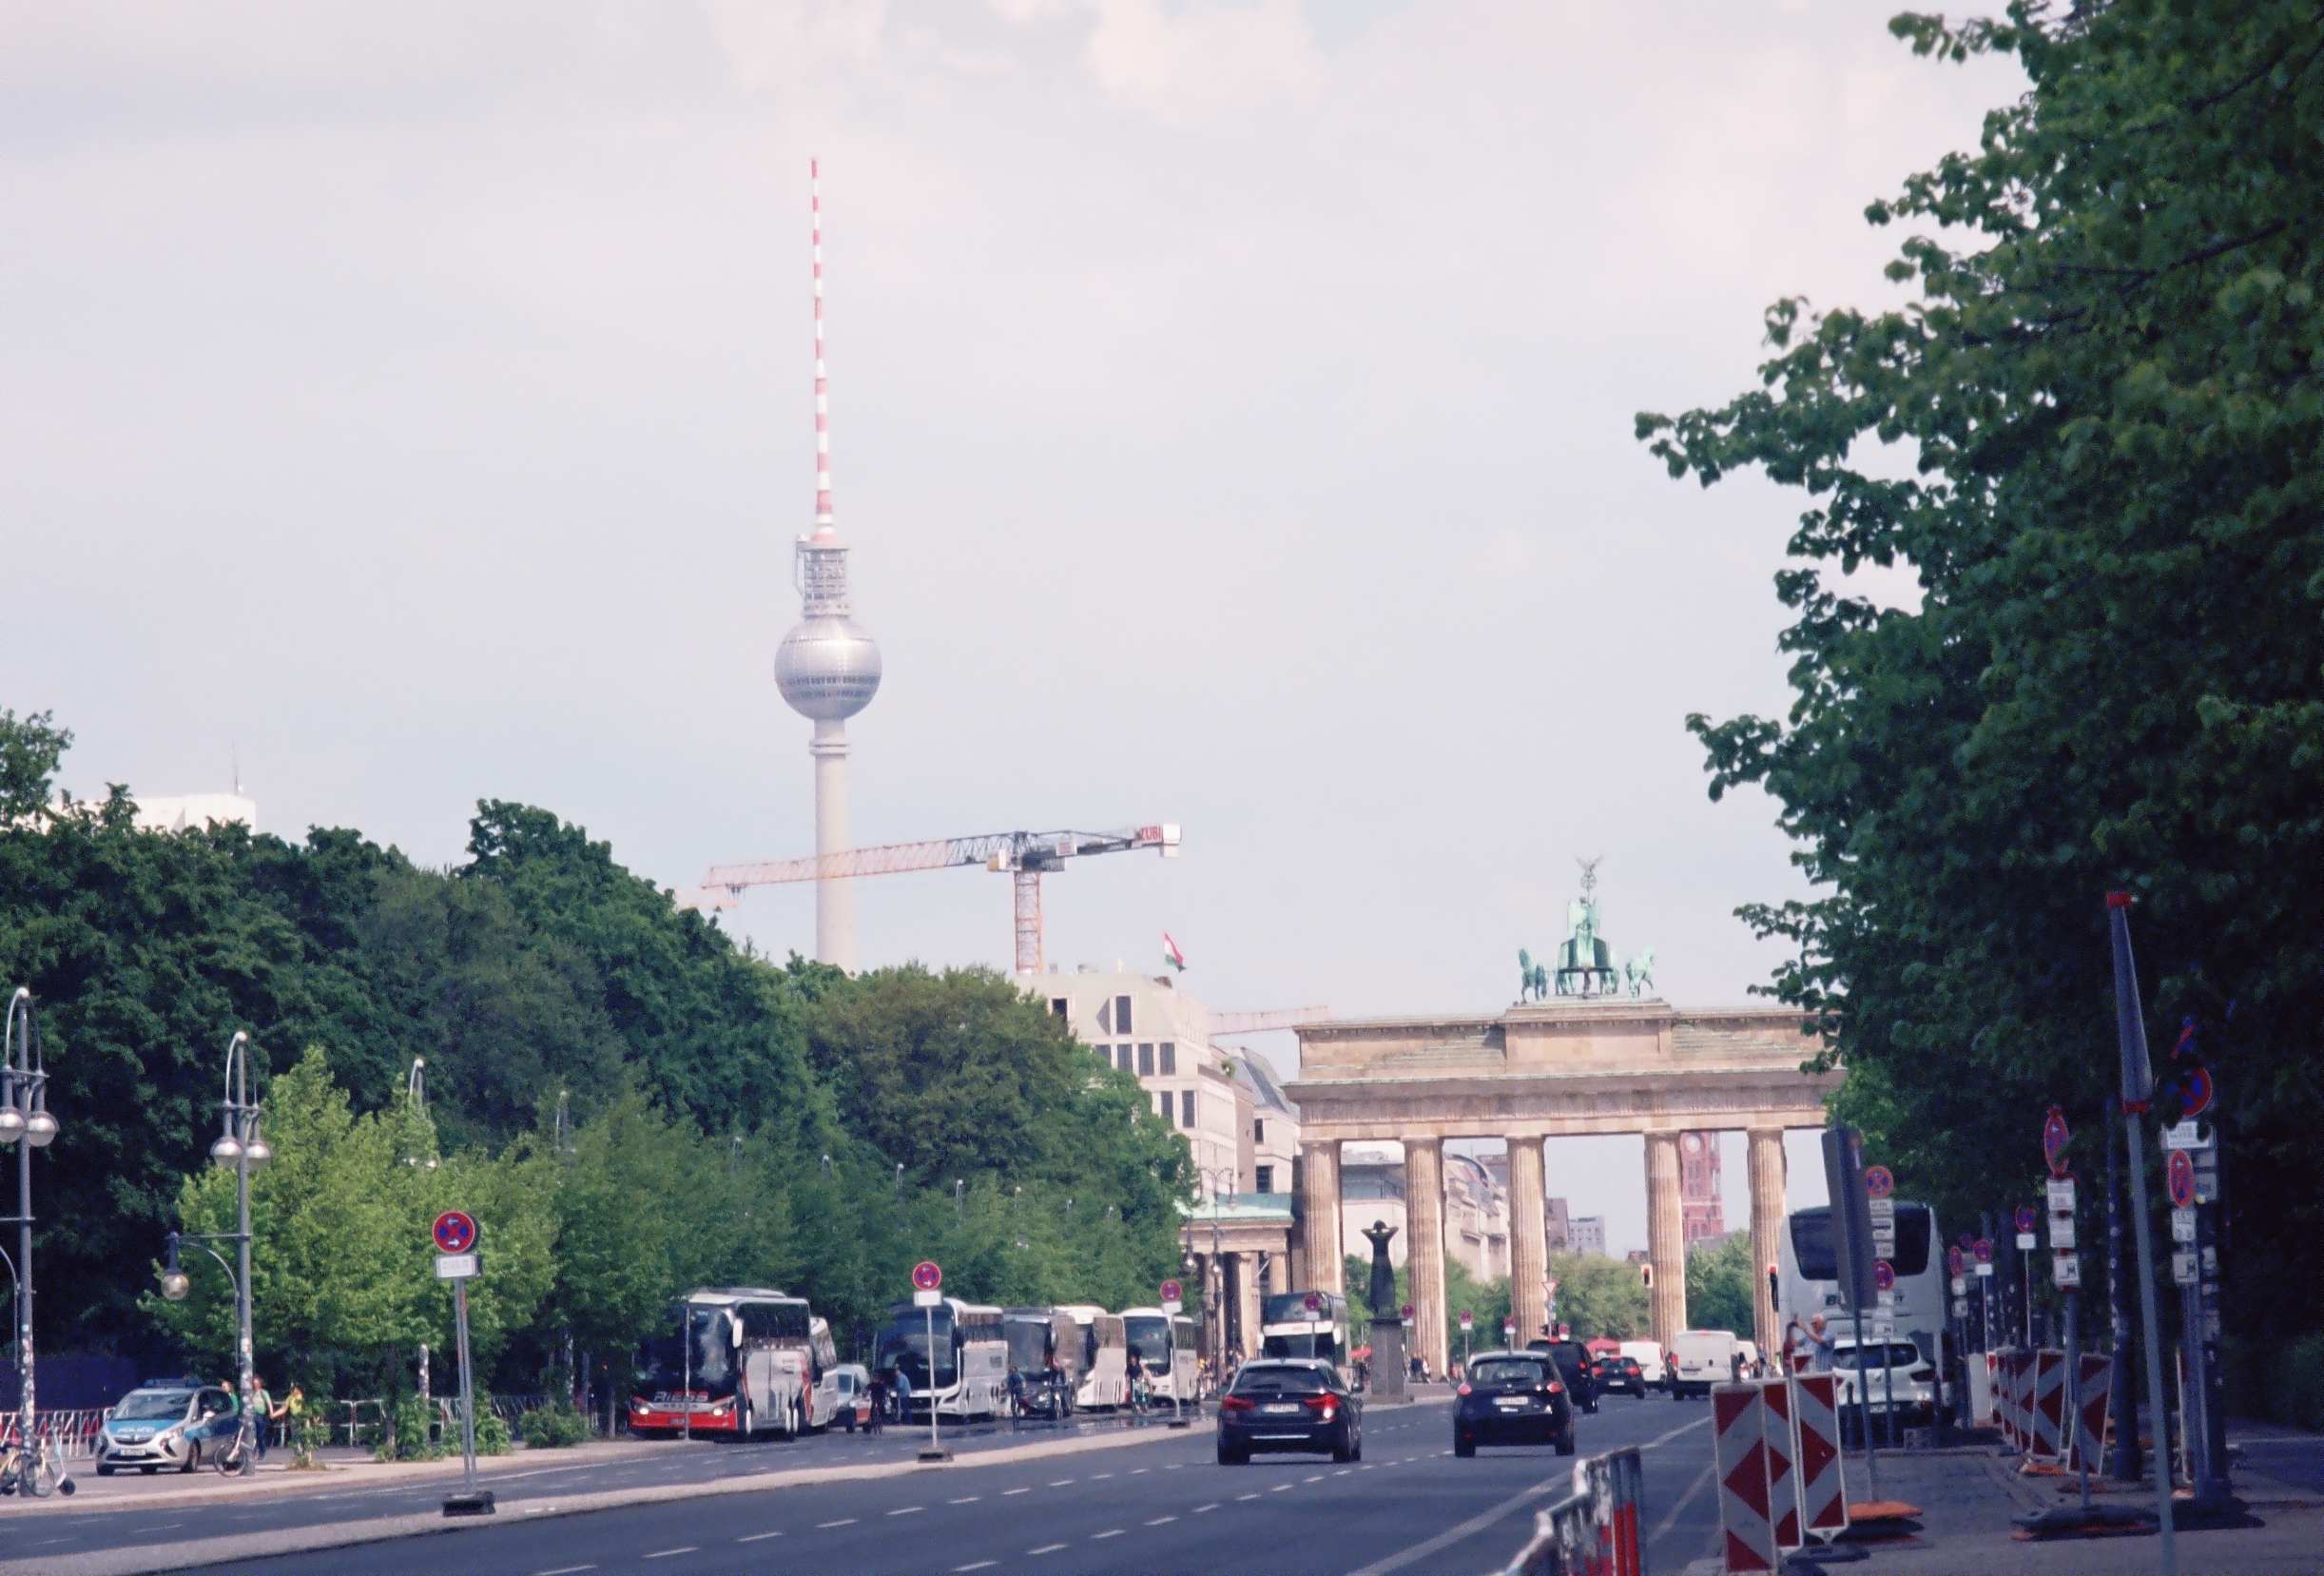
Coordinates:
(1983, 1250)
(1884, 1275)
(1315, 1302)
(926, 1276)
(2179, 1173)
(455, 1232)
(2025, 1218)
(1878, 1181)
(1172, 1291)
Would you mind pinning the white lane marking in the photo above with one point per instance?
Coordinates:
(1046, 1548)
(979, 1565)
(1279, 1487)
(1200, 1508)
(908, 1510)
(1475, 1524)
(1317, 1478)
(1240, 1498)
(1061, 1483)
(843, 1521)
(665, 1553)
(1683, 1428)
(1342, 1471)
(759, 1537)
(1683, 1502)
(1109, 1532)
(970, 1499)
(564, 1570)
(1135, 1471)
(1100, 1477)
(1006, 1493)
(1160, 1519)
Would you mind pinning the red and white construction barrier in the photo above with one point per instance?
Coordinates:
(1593, 1530)
(1823, 1488)
(2090, 1425)
(1782, 1462)
(2049, 1404)
(1738, 1417)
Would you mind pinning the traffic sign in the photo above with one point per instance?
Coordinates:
(1467, 1321)
(1884, 1275)
(455, 1232)
(2179, 1172)
(1315, 1302)
(458, 1266)
(2200, 1092)
(1982, 1250)
(2053, 1141)
(1172, 1291)
(1878, 1181)
(2026, 1217)
(1406, 1311)
(926, 1276)
(1955, 1262)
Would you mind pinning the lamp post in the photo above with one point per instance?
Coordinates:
(244, 1147)
(25, 1122)
(1211, 1177)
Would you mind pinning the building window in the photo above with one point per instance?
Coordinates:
(1124, 1052)
(1146, 1061)
(1186, 1097)
(1162, 1104)
(1121, 1015)
(1267, 1178)
(1057, 1006)
(1170, 1060)
(1258, 1133)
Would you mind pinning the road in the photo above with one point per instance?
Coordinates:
(1164, 1503)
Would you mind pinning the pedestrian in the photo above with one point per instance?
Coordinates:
(1818, 1344)
(1137, 1381)
(261, 1414)
(1735, 1365)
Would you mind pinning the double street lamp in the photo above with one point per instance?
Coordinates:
(241, 1147)
(25, 1122)
(1218, 1187)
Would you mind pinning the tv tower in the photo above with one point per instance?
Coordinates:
(827, 667)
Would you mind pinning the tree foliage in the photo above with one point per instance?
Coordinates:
(1719, 1286)
(2107, 384)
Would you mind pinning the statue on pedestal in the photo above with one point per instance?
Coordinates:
(1382, 1294)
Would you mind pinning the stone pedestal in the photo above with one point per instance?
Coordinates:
(1389, 1363)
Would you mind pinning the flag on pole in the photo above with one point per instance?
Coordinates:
(1170, 954)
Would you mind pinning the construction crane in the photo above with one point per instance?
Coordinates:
(1025, 855)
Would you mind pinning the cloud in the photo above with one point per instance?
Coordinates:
(1195, 65)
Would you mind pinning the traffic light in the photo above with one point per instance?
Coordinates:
(1646, 1275)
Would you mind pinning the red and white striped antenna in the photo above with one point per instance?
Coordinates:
(823, 525)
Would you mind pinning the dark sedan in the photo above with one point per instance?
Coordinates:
(1289, 1406)
(1513, 1398)
(1616, 1372)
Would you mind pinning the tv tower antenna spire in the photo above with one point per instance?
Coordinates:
(827, 667)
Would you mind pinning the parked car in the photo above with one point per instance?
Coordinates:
(1615, 1372)
(174, 1423)
(1289, 1406)
(853, 1381)
(1573, 1360)
(1918, 1394)
(1513, 1398)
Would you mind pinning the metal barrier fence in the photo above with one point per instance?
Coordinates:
(1593, 1528)
(74, 1431)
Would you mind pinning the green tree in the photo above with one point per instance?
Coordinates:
(2108, 390)
(1719, 1286)
(1603, 1298)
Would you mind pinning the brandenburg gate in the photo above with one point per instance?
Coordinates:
(1547, 1069)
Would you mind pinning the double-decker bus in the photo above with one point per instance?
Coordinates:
(966, 1375)
(1045, 1356)
(1105, 1373)
(1306, 1323)
(1165, 1346)
(737, 1361)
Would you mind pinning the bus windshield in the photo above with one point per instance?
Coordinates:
(903, 1347)
(663, 1366)
(1028, 1345)
(1323, 1346)
(1149, 1336)
(1819, 1259)
(1291, 1308)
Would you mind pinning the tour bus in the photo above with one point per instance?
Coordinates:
(1807, 1278)
(1306, 1323)
(737, 1361)
(971, 1369)
(1045, 1359)
(1105, 1372)
(1165, 1345)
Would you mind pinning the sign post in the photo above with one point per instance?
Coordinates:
(1173, 1295)
(927, 1282)
(457, 1260)
(1468, 1322)
(2137, 1095)
(1849, 1186)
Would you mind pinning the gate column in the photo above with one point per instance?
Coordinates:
(1425, 1247)
(1665, 1236)
(1767, 1224)
(1321, 1265)
(1528, 1239)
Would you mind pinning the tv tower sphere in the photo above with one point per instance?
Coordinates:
(827, 667)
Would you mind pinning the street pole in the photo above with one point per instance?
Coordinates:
(2138, 1095)
(2122, 1461)
(25, 1122)
(934, 1445)
(468, 1391)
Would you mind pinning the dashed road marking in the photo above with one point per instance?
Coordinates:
(1100, 1477)
(908, 1510)
(1200, 1508)
(665, 1553)
(843, 1521)
(1240, 1498)
(1109, 1532)
(1046, 1548)
(979, 1565)
(759, 1537)
(1279, 1487)
(1006, 1493)
(1161, 1520)
(564, 1571)
(968, 1499)
(1061, 1483)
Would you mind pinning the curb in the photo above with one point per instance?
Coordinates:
(143, 1558)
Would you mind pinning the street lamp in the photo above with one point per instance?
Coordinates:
(243, 1146)
(25, 1122)
(1218, 1183)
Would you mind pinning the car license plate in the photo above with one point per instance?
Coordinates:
(1511, 1404)
(1281, 1409)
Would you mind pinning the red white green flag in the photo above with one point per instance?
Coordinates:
(1170, 954)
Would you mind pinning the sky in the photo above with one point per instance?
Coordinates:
(1232, 411)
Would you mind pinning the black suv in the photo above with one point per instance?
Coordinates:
(1289, 1406)
(1511, 1398)
(1574, 1368)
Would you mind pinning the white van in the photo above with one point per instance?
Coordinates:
(1701, 1358)
(1649, 1354)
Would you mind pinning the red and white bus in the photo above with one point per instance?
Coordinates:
(737, 1361)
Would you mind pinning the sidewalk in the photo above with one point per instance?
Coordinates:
(1971, 1495)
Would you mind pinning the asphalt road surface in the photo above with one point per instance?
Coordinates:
(1165, 1505)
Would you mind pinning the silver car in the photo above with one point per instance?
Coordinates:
(168, 1423)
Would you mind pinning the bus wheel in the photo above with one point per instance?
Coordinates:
(745, 1421)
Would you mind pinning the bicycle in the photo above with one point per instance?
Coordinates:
(36, 1473)
(240, 1449)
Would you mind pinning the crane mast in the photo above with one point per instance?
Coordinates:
(1025, 855)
